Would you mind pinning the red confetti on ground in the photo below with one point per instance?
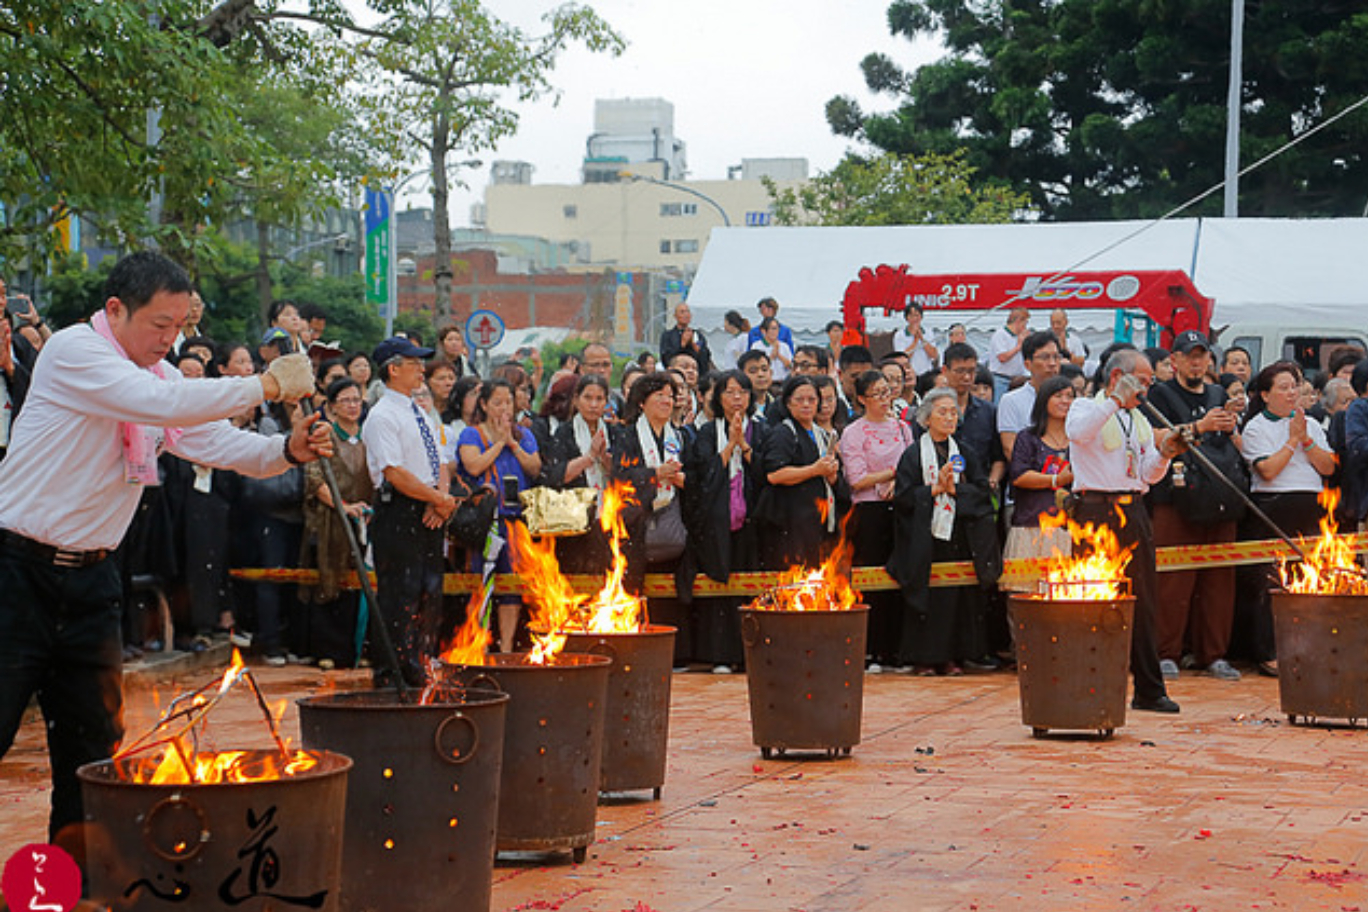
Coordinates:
(640, 907)
(757, 768)
(1203, 834)
(549, 904)
(1335, 879)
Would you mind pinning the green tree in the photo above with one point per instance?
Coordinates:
(1116, 108)
(444, 77)
(894, 189)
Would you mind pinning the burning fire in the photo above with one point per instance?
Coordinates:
(1097, 570)
(179, 762)
(1330, 567)
(825, 589)
(469, 644)
(556, 607)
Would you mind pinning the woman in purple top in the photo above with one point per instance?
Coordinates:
(870, 450)
(1039, 471)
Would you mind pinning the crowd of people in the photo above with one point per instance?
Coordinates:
(757, 456)
(760, 455)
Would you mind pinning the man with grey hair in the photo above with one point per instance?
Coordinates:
(1116, 456)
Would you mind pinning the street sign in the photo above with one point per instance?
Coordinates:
(378, 226)
(484, 329)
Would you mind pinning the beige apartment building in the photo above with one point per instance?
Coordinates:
(627, 215)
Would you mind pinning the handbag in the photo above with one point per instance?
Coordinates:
(474, 517)
(475, 514)
(665, 534)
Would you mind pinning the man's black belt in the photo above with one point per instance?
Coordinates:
(51, 554)
(1121, 497)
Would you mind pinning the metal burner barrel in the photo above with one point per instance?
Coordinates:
(422, 800)
(637, 712)
(1322, 645)
(1072, 662)
(805, 675)
(256, 846)
(553, 745)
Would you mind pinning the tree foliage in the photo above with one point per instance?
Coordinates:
(443, 77)
(1116, 108)
(891, 189)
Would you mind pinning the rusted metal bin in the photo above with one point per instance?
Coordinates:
(422, 800)
(1073, 662)
(636, 719)
(263, 845)
(1322, 655)
(805, 675)
(553, 745)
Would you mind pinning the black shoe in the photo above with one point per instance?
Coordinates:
(1163, 704)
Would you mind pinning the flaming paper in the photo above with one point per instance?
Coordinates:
(1330, 567)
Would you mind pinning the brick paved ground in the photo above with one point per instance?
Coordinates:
(948, 803)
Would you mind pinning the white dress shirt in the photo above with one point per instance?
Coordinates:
(1097, 468)
(392, 438)
(63, 481)
(1264, 435)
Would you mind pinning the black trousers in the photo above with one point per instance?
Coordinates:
(871, 534)
(408, 575)
(60, 639)
(1296, 513)
(1135, 531)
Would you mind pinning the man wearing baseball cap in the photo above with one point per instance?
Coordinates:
(1190, 507)
(413, 504)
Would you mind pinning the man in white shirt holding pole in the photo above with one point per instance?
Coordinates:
(101, 406)
(1116, 456)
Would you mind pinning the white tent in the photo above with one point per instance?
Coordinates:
(1300, 272)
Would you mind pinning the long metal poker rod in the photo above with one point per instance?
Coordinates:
(1211, 468)
(378, 627)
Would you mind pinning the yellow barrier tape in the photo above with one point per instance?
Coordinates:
(956, 573)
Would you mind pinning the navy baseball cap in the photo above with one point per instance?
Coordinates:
(279, 338)
(399, 347)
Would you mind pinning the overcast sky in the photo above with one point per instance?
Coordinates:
(748, 79)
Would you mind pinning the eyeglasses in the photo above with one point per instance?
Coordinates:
(969, 371)
(347, 400)
(801, 365)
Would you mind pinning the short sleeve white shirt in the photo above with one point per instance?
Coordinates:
(393, 439)
(1004, 340)
(1014, 411)
(1263, 436)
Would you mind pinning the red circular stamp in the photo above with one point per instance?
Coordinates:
(41, 878)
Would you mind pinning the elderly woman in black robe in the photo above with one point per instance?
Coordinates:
(719, 511)
(943, 511)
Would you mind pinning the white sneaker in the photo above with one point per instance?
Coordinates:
(1169, 669)
(1222, 670)
(874, 668)
(275, 661)
(722, 669)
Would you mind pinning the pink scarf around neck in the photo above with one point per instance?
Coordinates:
(141, 442)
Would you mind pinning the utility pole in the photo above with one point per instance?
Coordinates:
(1232, 150)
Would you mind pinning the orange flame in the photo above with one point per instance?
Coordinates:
(1096, 571)
(825, 589)
(545, 590)
(556, 606)
(1330, 567)
(471, 641)
(179, 762)
(613, 609)
(216, 768)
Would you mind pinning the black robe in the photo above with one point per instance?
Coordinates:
(949, 624)
(707, 502)
(791, 527)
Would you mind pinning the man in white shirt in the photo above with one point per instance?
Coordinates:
(100, 407)
(1116, 456)
(1040, 353)
(1071, 348)
(1004, 351)
(413, 503)
(913, 340)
